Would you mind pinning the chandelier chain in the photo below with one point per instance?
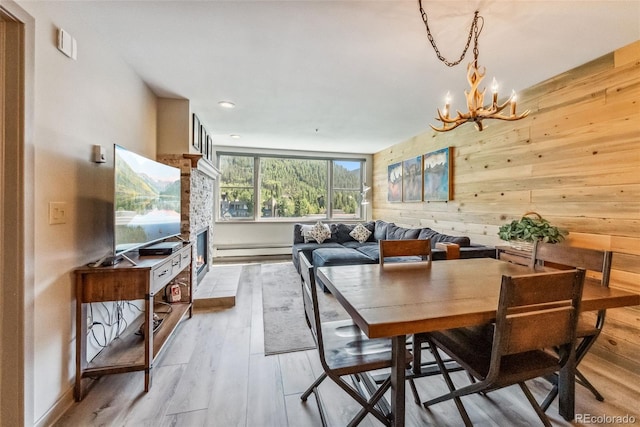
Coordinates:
(474, 32)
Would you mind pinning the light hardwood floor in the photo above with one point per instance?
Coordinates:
(214, 373)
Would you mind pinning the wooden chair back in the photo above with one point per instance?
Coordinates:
(592, 260)
(310, 298)
(537, 311)
(409, 247)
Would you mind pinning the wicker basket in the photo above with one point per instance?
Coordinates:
(521, 245)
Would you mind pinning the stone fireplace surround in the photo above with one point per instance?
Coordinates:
(197, 182)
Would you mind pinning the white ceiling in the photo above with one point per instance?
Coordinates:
(341, 76)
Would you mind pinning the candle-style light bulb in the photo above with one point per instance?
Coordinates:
(513, 102)
(447, 103)
(494, 90)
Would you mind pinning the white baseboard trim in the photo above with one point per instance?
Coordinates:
(57, 410)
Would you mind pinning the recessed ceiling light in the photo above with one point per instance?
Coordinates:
(226, 104)
(234, 136)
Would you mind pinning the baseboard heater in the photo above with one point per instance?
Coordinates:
(241, 250)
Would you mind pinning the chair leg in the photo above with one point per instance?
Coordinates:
(534, 404)
(580, 379)
(312, 387)
(367, 406)
(414, 390)
(585, 382)
(452, 388)
(550, 398)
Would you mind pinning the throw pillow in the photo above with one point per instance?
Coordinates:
(360, 233)
(304, 231)
(320, 232)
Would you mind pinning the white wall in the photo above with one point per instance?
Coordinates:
(97, 99)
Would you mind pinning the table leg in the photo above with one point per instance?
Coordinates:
(567, 388)
(148, 341)
(398, 366)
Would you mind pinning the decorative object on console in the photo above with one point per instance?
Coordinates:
(521, 234)
(437, 175)
(475, 97)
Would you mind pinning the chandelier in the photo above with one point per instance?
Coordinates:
(475, 97)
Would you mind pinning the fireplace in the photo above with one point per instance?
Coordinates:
(202, 253)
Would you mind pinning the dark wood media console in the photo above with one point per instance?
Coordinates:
(127, 282)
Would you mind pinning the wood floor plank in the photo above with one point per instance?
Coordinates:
(214, 373)
(266, 397)
(257, 325)
(150, 408)
(301, 414)
(185, 419)
(195, 387)
(228, 404)
(298, 374)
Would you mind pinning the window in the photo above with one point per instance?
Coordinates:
(237, 187)
(293, 188)
(268, 188)
(347, 189)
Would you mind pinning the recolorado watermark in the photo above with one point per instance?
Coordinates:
(605, 419)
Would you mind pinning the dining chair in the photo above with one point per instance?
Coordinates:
(345, 351)
(516, 349)
(405, 248)
(596, 263)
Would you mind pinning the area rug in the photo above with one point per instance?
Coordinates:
(285, 327)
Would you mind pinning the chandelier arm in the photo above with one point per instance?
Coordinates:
(445, 128)
(509, 118)
(489, 112)
(459, 117)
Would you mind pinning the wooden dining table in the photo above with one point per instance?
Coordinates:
(400, 299)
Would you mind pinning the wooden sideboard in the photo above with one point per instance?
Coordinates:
(516, 256)
(146, 280)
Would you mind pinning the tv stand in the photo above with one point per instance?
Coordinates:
(145, 278)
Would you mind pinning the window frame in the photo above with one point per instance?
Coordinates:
(257, 185)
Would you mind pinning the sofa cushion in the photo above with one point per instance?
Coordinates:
(360, 233)
(370, 249)
(339, 256)
(320, 232)
(400, 233)
(427, 233)
(307, 249)
(305, 229)
(340, 232)
(380, 230)
(462, 241)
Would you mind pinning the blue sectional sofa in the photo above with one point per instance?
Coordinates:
(342, 249)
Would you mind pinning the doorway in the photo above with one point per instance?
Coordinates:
(12, 291)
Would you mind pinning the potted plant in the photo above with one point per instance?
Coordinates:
(531, 227)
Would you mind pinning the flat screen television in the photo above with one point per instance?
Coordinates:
(146, 203)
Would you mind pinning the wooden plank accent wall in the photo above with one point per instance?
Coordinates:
(575, 160)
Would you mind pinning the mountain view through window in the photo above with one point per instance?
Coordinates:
(289, 188)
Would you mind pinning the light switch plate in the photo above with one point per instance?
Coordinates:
(57, 213)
